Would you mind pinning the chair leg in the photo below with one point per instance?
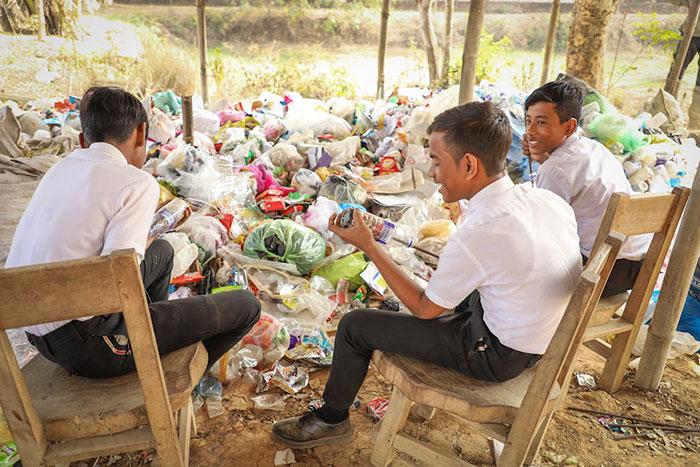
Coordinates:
(423, 411)
(393, 422)
(616, 364)
(184, 430)
(537, 440)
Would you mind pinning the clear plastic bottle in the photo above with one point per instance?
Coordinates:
(168, 216)
(383, 230)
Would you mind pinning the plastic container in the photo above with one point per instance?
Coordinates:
(168, 216)
(383, 230)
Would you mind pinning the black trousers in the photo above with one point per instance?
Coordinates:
(460, 341)
(622, 276)
(99, 347)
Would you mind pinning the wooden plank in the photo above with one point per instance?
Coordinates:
(640, 214)
(128, 441)
(492, 430)
(185, 430)
(393, 422)
(427, 452)
(616, 364)
(674, 290)
(58, 291)
(606, 308)
(614, 326)
(600, 347)
(423, 411)
(17, 406)
(148, 365)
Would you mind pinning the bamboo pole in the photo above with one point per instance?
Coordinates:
(382, 49)
(41, 32)
(202, 42)
(187, 130)
(674, 290)
(551, 41)
(672, 79)
(477, 9)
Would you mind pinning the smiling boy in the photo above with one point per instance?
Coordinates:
(580, 170)
(508, 273)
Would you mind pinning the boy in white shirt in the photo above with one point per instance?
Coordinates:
(508, 272)
(580, 170)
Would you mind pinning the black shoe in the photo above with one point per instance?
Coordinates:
(309, 431)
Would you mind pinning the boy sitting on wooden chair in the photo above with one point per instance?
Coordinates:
(508, 272)
(580, 170)
(97, 200)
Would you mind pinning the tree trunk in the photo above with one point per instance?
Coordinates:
(672, 79)
(429, 41)
(41, 30)
(477, 9)
(202, 43)
(382, 49)
(449, 8)
(585, 51)
(551, 41)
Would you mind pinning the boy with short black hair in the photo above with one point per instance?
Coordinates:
(508, 272)
(580, 170)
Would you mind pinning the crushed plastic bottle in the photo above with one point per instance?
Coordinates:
(167, 217)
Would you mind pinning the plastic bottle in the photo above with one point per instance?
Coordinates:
(168, 216)
(383, 230)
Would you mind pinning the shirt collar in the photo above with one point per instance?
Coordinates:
(108, 152)
(501, 185)
(568, 142)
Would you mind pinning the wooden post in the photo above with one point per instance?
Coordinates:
(551, 41)
(202, 42)
(187, 135)
(477, 10)
(382, 49)
(41, 32)
(672, 80)
(679, 274)
(449, 10)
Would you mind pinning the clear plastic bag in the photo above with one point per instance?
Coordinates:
(343, 151)
(285, 155)
(320, 122)
(306, 182)
(343, 190)
(318, 213)
(206, 231)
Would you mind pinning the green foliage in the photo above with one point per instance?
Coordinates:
(649, 31)
(491, 58)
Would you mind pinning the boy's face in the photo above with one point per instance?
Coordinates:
(444, 170)
(544, 131)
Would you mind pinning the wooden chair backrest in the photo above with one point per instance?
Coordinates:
(556, 364)
(73, 289)
(656, 214)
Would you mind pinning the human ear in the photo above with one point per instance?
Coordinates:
(140, 135)
(571, 128)
(81, 139)
(471, 165)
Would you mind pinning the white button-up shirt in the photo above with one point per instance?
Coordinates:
(89, 204)
(518, 247)
(586, 174)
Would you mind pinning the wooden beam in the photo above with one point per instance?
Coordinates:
(674, 290)
(477, 10)
(382, 48)
(187, 130)
(551, 41)
(202, 42)
(672, 79)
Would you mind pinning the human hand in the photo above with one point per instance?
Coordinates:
(185, 216)
(526, 145)
(357, 234)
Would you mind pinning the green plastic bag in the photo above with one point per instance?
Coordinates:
(8, 454)
(285, 240)
(168, 102)
(611, 128)
(348, 267)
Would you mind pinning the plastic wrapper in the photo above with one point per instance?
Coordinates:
(186, 252)
(348, 268)
(314, 348)
(434, 245)
(274, 129)
(376, 408)
(270, 402)
(322, 285)
(343, 151)
(318, 213)
(225, 192)
(306, 182)
(437, 228)
(205, 121)
(290, 378)
(342, 190)
(215, 406)
(206, 231)
(24, 351)
(269, 335)
(285, 240)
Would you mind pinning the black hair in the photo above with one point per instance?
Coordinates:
(110, 113)
(479, 128)
(565, 95)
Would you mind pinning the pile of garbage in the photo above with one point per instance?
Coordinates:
(261, 178)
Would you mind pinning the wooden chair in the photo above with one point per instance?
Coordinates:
(55, 418)
(517, 411)
(656, 214)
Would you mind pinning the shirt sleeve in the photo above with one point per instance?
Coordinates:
(554, 180)
(458, 274)
(128, 228)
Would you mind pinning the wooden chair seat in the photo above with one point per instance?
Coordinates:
(449, 390)
(72, 407)
(606, 308)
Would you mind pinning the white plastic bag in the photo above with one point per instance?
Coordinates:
(205, 122)
(160, 127)
(343, 151)
(186, 252)
(320, 122)
(318, 213)
(206, 231)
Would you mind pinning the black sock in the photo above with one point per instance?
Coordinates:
(330, 415)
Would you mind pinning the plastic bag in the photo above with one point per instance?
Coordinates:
(437, 228)
(269, 335)
(666, 103)
(168, 102)
(186, 252)
(343, 151)
(615, 128)
(318, 213)
(205, 121)
(306, 182)
(184, 158)
(285, 240)
(348, 268)
(206, 231)
(342, 108)
(342, 190)
(683, 343)
(320, 122)
(285, 155)
(274, 129)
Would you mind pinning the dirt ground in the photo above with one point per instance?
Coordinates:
(241, 436)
